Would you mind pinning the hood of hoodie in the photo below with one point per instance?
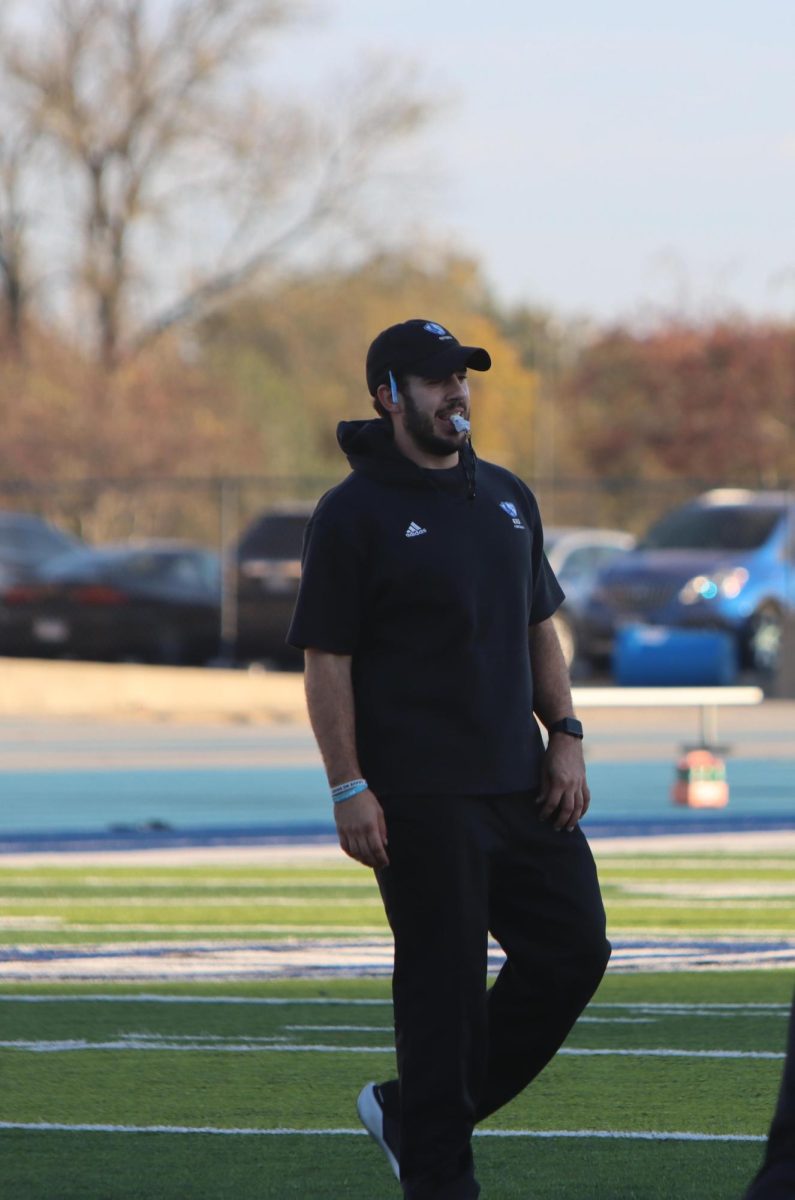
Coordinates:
(370, 448)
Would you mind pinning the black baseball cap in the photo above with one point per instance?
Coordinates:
(420, 347)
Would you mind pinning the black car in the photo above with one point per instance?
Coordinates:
(26, 541)
(268, 565)
(153, 602)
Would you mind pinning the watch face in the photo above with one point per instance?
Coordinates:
(568, 725)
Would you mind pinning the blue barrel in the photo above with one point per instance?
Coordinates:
(656, 656)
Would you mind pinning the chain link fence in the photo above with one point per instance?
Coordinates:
(214, 511)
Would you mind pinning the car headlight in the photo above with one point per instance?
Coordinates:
(728, 583)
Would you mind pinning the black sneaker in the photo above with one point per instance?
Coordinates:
(370, 1107)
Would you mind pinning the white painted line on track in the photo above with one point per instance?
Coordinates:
(613, 1134)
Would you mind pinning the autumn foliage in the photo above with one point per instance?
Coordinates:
(295, 355)
(714, 403)
(257, 389)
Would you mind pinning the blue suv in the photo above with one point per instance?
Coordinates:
(723, 561)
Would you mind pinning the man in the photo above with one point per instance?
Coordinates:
(424, 612)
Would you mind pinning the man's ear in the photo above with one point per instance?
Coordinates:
(383, 397)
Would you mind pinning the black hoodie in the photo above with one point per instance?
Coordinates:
(429, 579)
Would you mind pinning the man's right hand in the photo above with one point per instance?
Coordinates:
(361, 828)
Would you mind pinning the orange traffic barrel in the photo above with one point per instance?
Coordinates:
(700, 780)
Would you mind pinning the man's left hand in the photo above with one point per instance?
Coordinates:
(564, 796)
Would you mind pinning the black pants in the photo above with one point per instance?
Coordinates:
(776, 1180)
(461, 867)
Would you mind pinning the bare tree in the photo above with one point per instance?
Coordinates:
(15, 282)
(182, 181)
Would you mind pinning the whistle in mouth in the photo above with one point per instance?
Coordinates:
(460, 424)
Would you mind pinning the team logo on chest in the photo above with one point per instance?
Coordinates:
(513, 513)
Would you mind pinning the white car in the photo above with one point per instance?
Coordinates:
(576, 555)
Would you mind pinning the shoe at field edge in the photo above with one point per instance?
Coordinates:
(370, 1108)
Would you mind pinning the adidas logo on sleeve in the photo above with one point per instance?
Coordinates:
(414, 530)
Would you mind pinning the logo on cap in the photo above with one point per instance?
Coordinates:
(439, 330)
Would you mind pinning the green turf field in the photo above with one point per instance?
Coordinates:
(693, 893)
(232, 1075)
(246, 1089)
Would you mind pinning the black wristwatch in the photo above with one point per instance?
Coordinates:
(569, 725)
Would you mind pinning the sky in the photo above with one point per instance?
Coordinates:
(611, 160)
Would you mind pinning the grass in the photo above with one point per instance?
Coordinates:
(153, 1075)
(104, 1167)
(125, 1060)
(705, 894)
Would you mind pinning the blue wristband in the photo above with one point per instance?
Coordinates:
(344, 791)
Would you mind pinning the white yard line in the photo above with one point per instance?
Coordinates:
(121, 901)
(712, 1007)
(338, 1028)
(654, 1135)
(316, 932)
(665, 1009)
(723, 890)
(154, 998)
(779, 841)
(387, 1029)
(624, 898)
(212, 1044)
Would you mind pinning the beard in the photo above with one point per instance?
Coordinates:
(421, 429)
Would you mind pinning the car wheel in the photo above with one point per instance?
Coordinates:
(566, 637)
(762, 640)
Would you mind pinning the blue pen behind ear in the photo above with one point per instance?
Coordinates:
(393, 387)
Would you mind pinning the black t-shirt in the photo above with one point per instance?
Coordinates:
(431, 592)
